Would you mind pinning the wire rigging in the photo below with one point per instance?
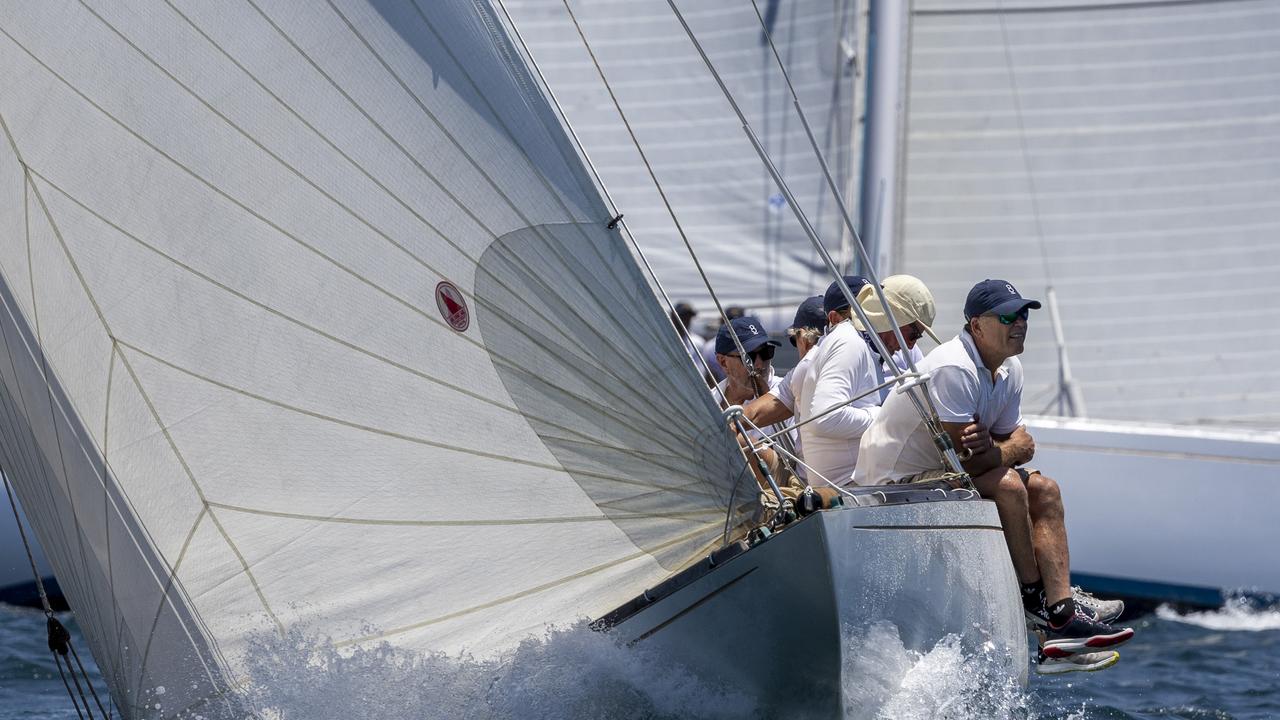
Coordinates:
(59, 638)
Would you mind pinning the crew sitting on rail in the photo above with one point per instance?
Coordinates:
(975, 385)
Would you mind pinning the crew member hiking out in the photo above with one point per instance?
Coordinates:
(976, 387)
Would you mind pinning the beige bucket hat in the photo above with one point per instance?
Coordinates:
(909, 300)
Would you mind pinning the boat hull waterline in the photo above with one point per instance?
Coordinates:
(793, 603)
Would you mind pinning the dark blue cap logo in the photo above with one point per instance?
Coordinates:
(997, 297)
(750, 332)
(834, 299)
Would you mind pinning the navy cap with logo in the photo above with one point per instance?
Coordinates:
(834, 299)
(750, 332)
(997, 297)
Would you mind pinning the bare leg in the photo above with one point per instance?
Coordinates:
(1049, 535)
(1005, 487)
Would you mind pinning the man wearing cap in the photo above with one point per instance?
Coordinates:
(911, 305)
(975, 386)
(778, 405)
(739, 388)
(839, 369)
(709, 351)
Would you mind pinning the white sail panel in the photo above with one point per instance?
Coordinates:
(233, 400)
(1138, 140)
(754, 251)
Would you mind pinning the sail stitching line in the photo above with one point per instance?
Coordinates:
(395, 298)
(690, 516)
(335, 201)
(466, 210)
(45, 372)
(523, 593)
(374, 430)
(126, 499)
(147, 399)
(552, 193)
(388, 361)
(31, 352)
(164, 597)
(106, 512)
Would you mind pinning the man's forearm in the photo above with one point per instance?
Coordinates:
(1017, 449)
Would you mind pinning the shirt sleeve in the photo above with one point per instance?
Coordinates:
(954, 393)
(783, 392)
(845, 372)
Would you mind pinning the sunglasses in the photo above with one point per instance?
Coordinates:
(760, 353)
(1011, 318)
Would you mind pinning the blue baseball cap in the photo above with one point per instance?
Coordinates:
(809, 315)
(750, 332)
(835, 300)
(997, 297)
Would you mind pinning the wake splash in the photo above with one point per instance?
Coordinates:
(578, 673)
(1240, 613)
(571, 673)
(883, 680)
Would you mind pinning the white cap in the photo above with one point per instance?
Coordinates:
(909, 300)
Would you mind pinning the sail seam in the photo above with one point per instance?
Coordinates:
(474, 164)
(86, 587)
(128, 530)
(141, 390)
(52, 503)
(379, 431)
(333, 338)
(284, 233)
(248, 573)
(689, 516)
(164, 598)
(537, 173)
(525, 593)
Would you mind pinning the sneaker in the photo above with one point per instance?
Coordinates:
(1104, 611)
(1080, 662)
(1082, 634)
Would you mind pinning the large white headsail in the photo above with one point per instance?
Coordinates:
(311, 318)
(754, 251)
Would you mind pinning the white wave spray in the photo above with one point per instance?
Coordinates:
(577, 673)
(1240, 613)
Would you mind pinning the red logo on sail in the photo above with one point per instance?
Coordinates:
(453, 307)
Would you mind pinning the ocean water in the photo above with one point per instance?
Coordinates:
(1213, 665)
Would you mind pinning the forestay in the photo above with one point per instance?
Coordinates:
(237, 396)
(754, 251)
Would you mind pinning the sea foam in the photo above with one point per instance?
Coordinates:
(577, 673)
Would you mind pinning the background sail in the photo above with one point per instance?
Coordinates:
(233, 398)
(750, 243)
(1138, 139)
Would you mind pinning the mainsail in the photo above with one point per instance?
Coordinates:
(312, 320)
(754, 251)
(1125, 153)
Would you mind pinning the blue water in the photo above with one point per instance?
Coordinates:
(1224, 664)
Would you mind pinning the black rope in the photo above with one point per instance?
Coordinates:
(59, 638)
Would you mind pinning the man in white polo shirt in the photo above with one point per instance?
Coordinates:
(976, 387)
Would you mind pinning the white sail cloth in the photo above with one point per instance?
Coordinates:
(748, 240)
(1139, 141)
(237, 396)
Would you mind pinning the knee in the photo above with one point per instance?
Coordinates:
(1044, 495)
(1011, 489)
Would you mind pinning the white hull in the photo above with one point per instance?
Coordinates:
(777, 620)
(1169, 513)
